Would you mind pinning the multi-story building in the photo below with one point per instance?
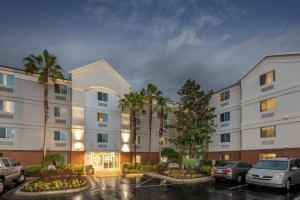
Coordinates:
(85, 121)
(264, 118)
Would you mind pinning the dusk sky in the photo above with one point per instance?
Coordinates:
(164, 42)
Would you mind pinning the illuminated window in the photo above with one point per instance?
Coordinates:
(267, 78)
(102, 96)
(7, 79)
(7, 106)
(224, 157)
(267, 155)
(60, 89)
(268, 131)
(102, 118)
(224, 95)
(138, 159)
(268, 104)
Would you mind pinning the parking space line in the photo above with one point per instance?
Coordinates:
(144, 182)
(159, 185)
(239, 186)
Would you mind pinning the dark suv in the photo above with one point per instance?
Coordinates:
(231, 170)
(10, 171)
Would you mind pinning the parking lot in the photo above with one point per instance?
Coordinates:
(147, 188)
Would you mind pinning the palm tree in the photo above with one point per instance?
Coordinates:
(150, 94)
(132, 102)
(45, 65)
(162, 111)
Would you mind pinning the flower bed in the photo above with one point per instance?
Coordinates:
(183, 174)
(55, 183)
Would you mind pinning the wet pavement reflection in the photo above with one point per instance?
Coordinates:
(147, 188)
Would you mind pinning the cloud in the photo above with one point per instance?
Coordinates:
(187, 37)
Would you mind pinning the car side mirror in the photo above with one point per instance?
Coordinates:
(294, 168)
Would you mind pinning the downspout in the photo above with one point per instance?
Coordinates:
(71, 116)
(240, 120)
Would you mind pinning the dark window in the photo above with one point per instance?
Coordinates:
(225, 117)
(2, 132)
(225, 95)
(60, 89)
(225, 137)
(5, 162)
(102, 138)
(102, 96)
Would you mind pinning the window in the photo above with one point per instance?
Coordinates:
(60, 89)
(7, 133)
(268, 131)
(7, 79)
(268, 104)
(60, 136)
(7, 106)
(138, 140)
(224, 95)
(138, 122)
(225, 117)
(224, 157)
(102, 96)
(138, 158)
(267, 78)
(225, 137)
(102, 138)
(60, 112)
(267, 155)
(102, 117)
(5, 162)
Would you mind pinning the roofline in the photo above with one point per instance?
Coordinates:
(22, 71)
(85, 67)
(270, 56)
(256, 64)
(229, 86)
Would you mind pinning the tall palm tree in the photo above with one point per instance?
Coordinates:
(150, 94)
(162, 111)
(132, 102)
(45, 65)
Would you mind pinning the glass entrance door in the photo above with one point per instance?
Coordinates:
(103, 160)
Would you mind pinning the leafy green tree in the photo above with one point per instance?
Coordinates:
(150, 94)
(57, 159)
(45, 65)
(133, 103)
(194, 119)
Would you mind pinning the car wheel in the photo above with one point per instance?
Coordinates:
(1, 186)
(240, 179)
(21, 178)
(288, 184)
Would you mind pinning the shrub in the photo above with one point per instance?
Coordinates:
(161, 168)
(57, 159)
(74, 168)
(190, 163)
(33, 169)
(171, 154)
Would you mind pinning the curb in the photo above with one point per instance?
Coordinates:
(20, 193)
(184, 181)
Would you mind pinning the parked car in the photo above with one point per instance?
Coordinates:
(275, 172)
(231, 170)
(10, 171)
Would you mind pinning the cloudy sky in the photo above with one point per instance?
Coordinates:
(163, 42)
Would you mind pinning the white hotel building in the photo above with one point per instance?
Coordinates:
(259, 116)
(85, 121)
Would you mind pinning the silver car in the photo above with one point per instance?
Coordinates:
(275, 172)
(10, 171)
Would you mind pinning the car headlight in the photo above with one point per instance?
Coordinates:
(278, 176)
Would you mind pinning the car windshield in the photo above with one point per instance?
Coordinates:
(226, 164)
(272, 164)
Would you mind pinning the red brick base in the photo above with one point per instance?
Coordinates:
(35, 157)
(146, 157)
(233, 155)
(252, 156)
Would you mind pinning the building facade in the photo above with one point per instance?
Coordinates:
(264, 112)
(85, 121)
